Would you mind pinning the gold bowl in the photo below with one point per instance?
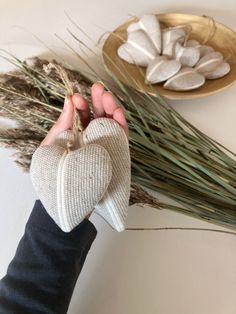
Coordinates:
(203, 29)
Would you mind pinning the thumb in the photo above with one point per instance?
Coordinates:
(63, 123)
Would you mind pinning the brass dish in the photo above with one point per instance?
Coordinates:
(203, 28)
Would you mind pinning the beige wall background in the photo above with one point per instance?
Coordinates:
(181, 272)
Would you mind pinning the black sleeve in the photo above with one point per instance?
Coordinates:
(42, 275)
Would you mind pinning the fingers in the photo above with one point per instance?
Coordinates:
(119, 116)
(104, 105)
(109, 104)
(113, 111)
(97, 91)
(81, 104)
(63, 123)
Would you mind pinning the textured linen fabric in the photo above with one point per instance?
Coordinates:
(113, 207)
(105, 132)
(70, 184)
(97, 175)
(42, 275)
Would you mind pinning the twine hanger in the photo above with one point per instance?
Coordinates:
(212, 28)
(77, 128)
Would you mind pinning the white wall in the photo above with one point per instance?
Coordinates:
(183, 272)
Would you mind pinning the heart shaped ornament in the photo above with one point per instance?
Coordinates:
(209, 62)
(160, 69)
(185, 79)
(70, 183)
(192, 43)
(151, 27)
(113, 206)
(205, 50)
(169, 38)
(187, 56)
(138, 49)
(133, 27)
(220, 71)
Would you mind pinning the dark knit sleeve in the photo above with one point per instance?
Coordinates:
(42, 275)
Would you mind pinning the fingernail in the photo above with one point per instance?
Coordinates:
(101, 83)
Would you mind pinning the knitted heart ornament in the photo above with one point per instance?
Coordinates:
(113, 206)
(70, 183)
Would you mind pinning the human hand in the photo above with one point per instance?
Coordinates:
(104, 105)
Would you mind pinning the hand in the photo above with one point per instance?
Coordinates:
(104, 105)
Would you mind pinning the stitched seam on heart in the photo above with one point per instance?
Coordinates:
(144, 28)
(60, 195)
(149, 34)
(154, 69)
(179, 75)
(207, 63)
(179, 53)
(141, 49)
(168, 35)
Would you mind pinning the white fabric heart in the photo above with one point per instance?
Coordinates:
(209, 62)
(151, 26)
(138, 49)
(113, 206)
(169, 38)
(205, 50)
(133, 27)
(192, 43)
(161, 69)
(187, 56)
(70, 184)
(185, 79)
(219, 72)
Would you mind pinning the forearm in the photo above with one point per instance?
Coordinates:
(43, 273)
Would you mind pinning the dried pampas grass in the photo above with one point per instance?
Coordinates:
(168, 154)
